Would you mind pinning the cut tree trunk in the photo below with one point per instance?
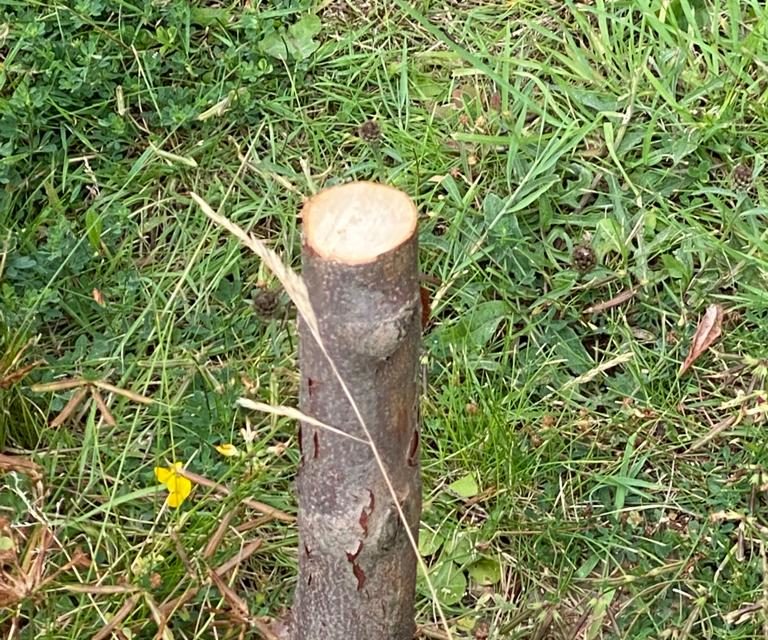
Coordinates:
(357, 568)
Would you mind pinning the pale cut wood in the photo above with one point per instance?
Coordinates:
(357, 569)
(355, 223)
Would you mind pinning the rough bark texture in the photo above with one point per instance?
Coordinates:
(357, 570)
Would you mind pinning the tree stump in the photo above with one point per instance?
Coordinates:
(357, 569)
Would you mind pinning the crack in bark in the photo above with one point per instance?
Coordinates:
(426, 307)
(315, 441)
(301, 448)
(413, 450)
(390, 529)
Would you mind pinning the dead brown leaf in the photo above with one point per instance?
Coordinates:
(248, 549)
(709, 330)
(266, 509)
(70, 407)
(21, 465)
(716, 430)
(101, 589)
(106, 414)
(10, 371)
(618, 299)
(23, 574)
(238, 607)
(431, 632)
(163, 632)
(215, 540)
(59, 385)
(171, 605)
(10, 378)
(83, 388)
(111, 628)
(131, 395)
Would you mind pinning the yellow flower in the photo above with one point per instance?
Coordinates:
(228, 450)
(178, 486)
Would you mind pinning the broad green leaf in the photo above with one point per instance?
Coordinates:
(430, 542)
(674, 267)
(493, 206)
(301, 43)
(683, 147)
(482, 323)
(426, 87)
(466, 486)
(450, 583)
(546, 213)
(565, 344)
(466, 623)
(274, 44)
(485, 572)
(472, 331)
(460, 547)
(306, 28)
(609, 237)
(207, 16)
(688, 13)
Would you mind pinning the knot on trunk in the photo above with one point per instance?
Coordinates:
(381, 337)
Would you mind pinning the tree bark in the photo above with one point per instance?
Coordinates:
(357, 569)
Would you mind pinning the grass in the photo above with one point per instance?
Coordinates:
(614, 498)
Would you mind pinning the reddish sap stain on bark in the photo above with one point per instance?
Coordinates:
(353, 556)
(360, 575)
(310, 384)
(365, 514)
(356, 570)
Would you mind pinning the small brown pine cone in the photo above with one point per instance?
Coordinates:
(583, 258)
(370, 131)
(742, 177)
